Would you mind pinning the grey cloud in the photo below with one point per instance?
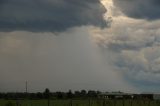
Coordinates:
(129, 39)
(50, 15)
(140, 66)
(134, 48)
(145, 9)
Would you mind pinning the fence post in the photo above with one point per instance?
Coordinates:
(48, 102)
(89, 102)
(131, 103)
(71, 102)
(17, 103)
(115, 102)
(103, 102)
(157, 102)
(123, 102)
(149, 102)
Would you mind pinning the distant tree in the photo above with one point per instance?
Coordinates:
(59, 95)
(1, 96)
(39, 95)
(32, 96)
(77, 94)
(92, 93)
(69, 94)
(99, 92)
(47, 95)
(83, 93)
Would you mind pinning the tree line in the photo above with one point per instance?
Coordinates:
(47, 94)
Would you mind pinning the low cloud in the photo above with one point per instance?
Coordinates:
(50, 15)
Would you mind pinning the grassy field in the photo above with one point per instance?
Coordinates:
(79, 103)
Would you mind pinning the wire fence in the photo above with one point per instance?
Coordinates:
(79, 102)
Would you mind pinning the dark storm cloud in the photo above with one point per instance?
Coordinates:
(49, 15)
(148, 9)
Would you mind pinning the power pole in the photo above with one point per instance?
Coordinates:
(26, 87)
(26, 93)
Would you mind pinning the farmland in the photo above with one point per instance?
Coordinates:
(80, 102)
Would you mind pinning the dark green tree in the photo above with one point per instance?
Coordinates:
(47, 95)
(69, 94)
(77, 94)
(92, 93)
(83, 93)
(59, 95)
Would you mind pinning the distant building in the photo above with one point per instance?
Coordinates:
(144, 96)
(156, 96)
(116, 95)
(153, 96)
(121, 95)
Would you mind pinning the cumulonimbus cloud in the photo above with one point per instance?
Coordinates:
(142, 9)
(50, 15)
(132, 43)
(134, 48)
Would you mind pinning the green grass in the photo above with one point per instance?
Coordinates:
(80, 103)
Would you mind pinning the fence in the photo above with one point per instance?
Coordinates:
(79, 103)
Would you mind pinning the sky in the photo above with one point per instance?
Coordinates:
(106, 45)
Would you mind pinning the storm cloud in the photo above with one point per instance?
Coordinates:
(141, 9)
(50, 15)
(124, 56)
